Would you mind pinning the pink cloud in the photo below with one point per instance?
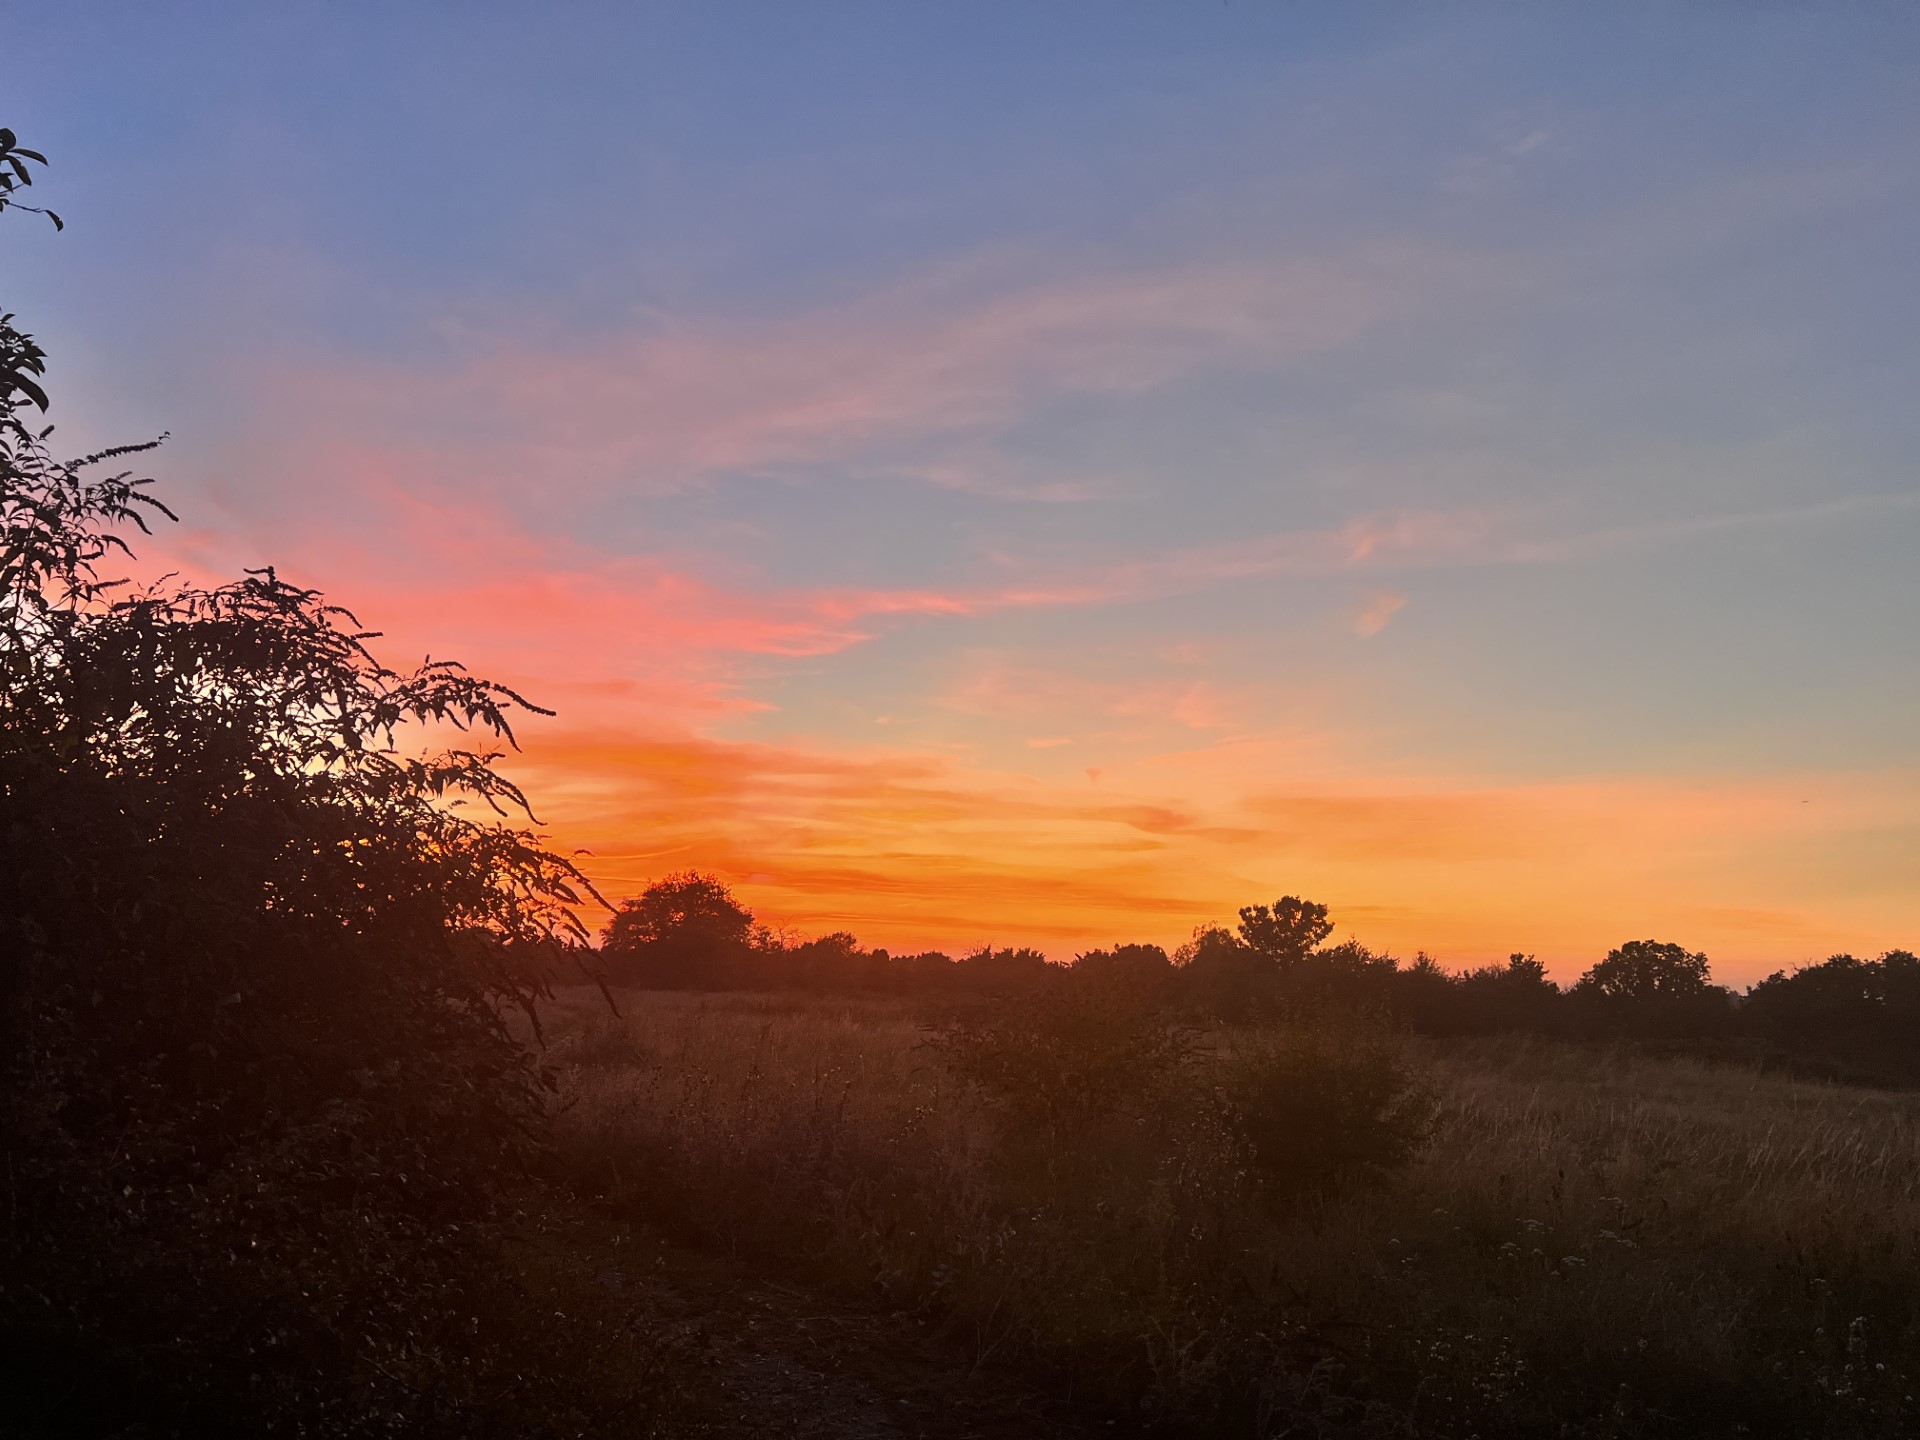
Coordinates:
(1381, 607)
(668, 403)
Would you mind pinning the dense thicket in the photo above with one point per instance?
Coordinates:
(258, 1090)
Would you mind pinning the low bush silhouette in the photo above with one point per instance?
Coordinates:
(1145, 970)
(1317, 1108)
(1057, 1062)
(1516, 996)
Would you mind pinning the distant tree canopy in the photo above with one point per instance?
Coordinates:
(686, 931)
(1646, 971)
(1870, 1008)
(1128, 967)
(1514, 996)
(1287, 932)
(1006, 968)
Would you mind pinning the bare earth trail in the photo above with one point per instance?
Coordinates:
(764, 1358)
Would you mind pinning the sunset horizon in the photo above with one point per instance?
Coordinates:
(1055, 479)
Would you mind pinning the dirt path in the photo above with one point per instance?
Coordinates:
(776, 1361)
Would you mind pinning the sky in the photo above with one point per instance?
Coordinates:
(1056, 473)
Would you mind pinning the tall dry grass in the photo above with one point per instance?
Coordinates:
(1593, 1242)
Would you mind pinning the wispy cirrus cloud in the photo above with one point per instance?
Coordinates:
(663, 404)
(1380, 608)
(648, 635)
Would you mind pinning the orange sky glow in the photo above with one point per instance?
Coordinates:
(1025, 481)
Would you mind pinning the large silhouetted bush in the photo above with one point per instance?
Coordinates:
(1317, 1107)
(259, 1092)
(684, 932)
(1514, 996)
(1862, 1015)
(1142, 970)
(1653, 988)
(1221, 978)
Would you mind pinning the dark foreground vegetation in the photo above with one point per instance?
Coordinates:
(265, 1126)
(1279, 1231)
(299, 1137)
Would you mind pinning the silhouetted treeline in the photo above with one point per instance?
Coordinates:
(1848, 1017)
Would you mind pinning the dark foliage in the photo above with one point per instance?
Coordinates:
(1138, 969)
(685, 932)
(1654, 989)
(259, 1094)
(1845, 1018)
(1286, 933)
(1514, 996)
(1057, 1061)
(15, 176)
(1315, 1107)
(1862, 1014)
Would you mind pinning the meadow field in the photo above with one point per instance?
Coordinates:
(1587, 1240)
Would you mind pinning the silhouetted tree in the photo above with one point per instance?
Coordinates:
(989, 970)
(684, 932)
(929, 972)
(1648, 970)
(1514, 996)
(1861, 1014)
(1137, 969)
(826, 963)
(1351, 978)
(1222, 977)
(1287, 932)
(1427, 997)
(1654, 988)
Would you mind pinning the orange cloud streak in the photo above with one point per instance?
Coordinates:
(910, 851)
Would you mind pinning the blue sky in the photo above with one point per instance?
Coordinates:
(1090, 412)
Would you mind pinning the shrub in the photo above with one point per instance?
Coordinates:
(1221, 978)
(1315, 1108)
(1058, 1061)
(1514, 996)
(260, 1097)
(684, 932)
(987, 971)
(1141, 968)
